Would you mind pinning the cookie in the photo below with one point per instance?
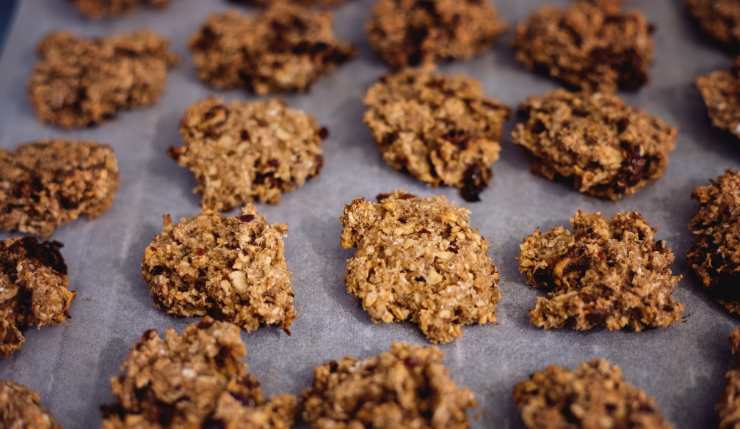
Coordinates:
(595, 142)
(46, 184)
(415, 32)
(721, 93)
(720, 19)
(441, 129)
(286, 48)
(194, 379)
(605, 273)
(419, 260)
(245, 151)
(231, 268)
(266, 3)
(612, 6)
(715, 255)
(406, 387)
(594, 395)
(96, 9)
(82, 82)
(728, 407)
(33, 289)
(21, 408)
(587, 46)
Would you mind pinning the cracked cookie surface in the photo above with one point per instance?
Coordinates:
(96, 9)
(721, 93)
(441, 129)
(605, 273)
(728, 407)
(419, 260)
(21, 408)
(720, 19)
(595, 142)
(245, 151)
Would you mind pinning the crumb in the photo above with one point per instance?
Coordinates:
(96, 9)
(720, 19)
(21, 408)
(721, 93)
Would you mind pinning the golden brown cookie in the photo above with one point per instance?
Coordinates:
(720, 19)
(728, 407)
(441, 129)
(419, 260)
(605, 273)
(406, 387)
(21, 408)
(721, 93)
(245, 151)
(96, 9)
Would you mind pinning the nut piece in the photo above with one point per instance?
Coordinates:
(407, 387)
(721, 93)
(604, 274)
(419, 260)
(441, 129)
(720, 19)
(96, 9)
(193, 380)
(21, 408)
(596, 142)
(728, 408)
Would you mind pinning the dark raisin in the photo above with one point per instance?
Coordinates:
(475, 180)
(323, 133)
(155, 271)
(246, 218)
(47, 253)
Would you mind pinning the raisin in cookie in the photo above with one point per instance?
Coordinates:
(33, 289)
(96, 9)
(21, 408)
(195, 379)
(231, 268)
(720, 19)
(441, 129)
(414, 32)
(419, 260)
(245, 151)
(587, 46)
(721, 93)
(596, 142)
(594, 395)
(81, 82)
(728, 407)
(406, 387)
(715, 255)
(605, 273)
(285, 48)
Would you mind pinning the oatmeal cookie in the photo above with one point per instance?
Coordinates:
(595, 142)
(231, 268)
(96, 9)
(245, 151)
(721, 93)
(21, 408)
(408, 387)
(441, 129)
(720, 19)
(595, 395)
(33, 289)
(81, 82)
(728, 408)
(415, 32)
(605, 273)
(587, 46)
(419, 260)
(285, 48)
(195, 379)
(715, 255)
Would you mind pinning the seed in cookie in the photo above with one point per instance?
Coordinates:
(245, 151)
(231, 268)
(441, 129)
(721, 93)
(81, 82)
(419, 260)
(594, 395)
(715, 255)
(33, 289)
(415, 32)
(605, 273)
(193, 379)
(596, 142)
(46, 184)
(587, 46)
(406, 387)
(286, 48)
(720, 19)
(96, 9)
(728, 407)
(21, 408)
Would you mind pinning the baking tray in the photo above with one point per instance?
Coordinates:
(71, 365)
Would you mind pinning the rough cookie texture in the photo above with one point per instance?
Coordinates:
(21, 408)
(245, 151)
(441, 129)
(721, 93)
(595, 395)
(195, 379)
(414, 32)
(46, 184)
(720, 19)
(728, 407)
(33, 289)
(587, 46)
(81, 82)
(715, 255)
(407, 387)
(285, 48)
(231, 268)
(596, 142)
(606, 273)
(96, 9)
(419, 260)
